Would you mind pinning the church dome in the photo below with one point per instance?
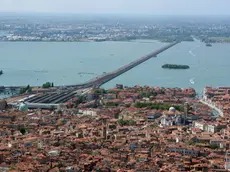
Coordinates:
(172, 109)
(23, 107)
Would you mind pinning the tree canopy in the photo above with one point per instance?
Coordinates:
(25, 90)
(158, 106)
(48, 85)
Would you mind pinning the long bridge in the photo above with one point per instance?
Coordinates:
(63, 96)
(100, 80)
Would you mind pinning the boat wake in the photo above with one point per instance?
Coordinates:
(190, 52)
(41, 71)
(86, 73)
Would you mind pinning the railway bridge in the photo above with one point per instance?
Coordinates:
(61, 96)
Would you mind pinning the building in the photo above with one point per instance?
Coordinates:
(87, 112)
(153, 116)
(208, 127)
(90, 96)
(110, 96)
(227, 161)
(119, 86)
(183, 150)
(3, 104)
(198, 124)
(171, 118)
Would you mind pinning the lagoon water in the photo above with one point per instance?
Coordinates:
(61, 62)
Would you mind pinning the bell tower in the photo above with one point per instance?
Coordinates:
(186, 109)
(104, 128)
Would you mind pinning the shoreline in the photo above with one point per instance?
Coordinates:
(159, 82)
(5, 95)
(93, 41)
(131, 40)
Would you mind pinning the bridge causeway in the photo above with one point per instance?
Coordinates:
(70, 91)
(98, 81)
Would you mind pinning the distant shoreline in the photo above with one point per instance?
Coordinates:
(96, 41)
(111, 41)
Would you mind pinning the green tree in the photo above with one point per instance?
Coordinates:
(80, 100)
(154, 93)
(22, 91)
(191, 142)
(56, 144)
(109, 104)
(214, 146)
(23, 131)
(156, 106)
(100, 91)
(25, 90)
(47, 85)
(125, 122)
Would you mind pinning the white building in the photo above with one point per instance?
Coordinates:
(88, 112)
(198, 124)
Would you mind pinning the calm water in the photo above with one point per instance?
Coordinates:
(37, 62)
(3, 33)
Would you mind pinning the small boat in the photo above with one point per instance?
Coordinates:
(192, 81)
(1, 72)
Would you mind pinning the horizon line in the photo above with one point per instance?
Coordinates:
(112, 13)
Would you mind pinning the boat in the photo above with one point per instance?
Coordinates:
(192, 81)
(208, 45)
(1, 72)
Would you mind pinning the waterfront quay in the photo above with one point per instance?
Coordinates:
(218, 99)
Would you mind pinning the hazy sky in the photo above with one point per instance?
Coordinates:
(167, 7)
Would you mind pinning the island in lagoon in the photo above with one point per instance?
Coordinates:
(175, 66)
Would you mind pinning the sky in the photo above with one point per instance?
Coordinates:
(158, 7)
